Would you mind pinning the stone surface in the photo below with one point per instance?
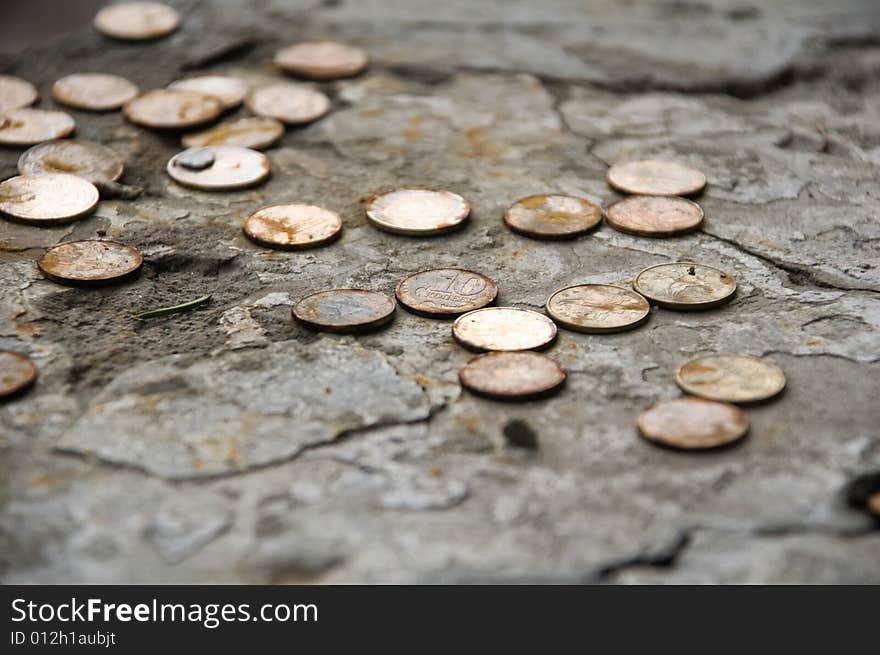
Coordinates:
(205, 447)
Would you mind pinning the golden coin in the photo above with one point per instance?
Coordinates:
(293, 226)
(445, 292)
(654, 216)
(232, 168)
(256, 133)
(598, 308)
(47, 199)
(552, 216)
(685, 286)
(90, 262)
(137, 21)
(15, 93)
(417, 211)
(693, 423)
(730, 378)
(652, 177)
(27, 127)
(93, 91)
(169, 109)
(294, 104)
(512, 375)
(17, 373)
(86, 159)
(503, 328)
(321, 60)
(344, 310)
(230, 91)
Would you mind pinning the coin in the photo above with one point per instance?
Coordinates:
(321, 60)
(93, 91)
(17, 373)
(863, 492)
(137, 21)
(730, 378)
(256, 133)
(233, 168)
(654, 216)
(90, 262)
(503, 328)
(651, 177)
(417, 211)
(230, 91)
(15, 93)
(86, 159)
(27, 127)
(685, 286)
(693, 423)
(445, 292)
(293, 226)
(552, 216)
(47, 199)
(169, 109)
(598, 308)
(512, 375)
(344, 310)
(294, 104)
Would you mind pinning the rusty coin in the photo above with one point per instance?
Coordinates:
(17, 373)
(15, 93)
(552, 216)
(293, 226)
(170, 109)
(654, 216)
(90, 262)
(230, 91)
(86, 159)
(321, 60)
(417, 211)
(256, 133)
(345, 310)
(685, 286)
(27, 127)
(445, 292)
(598, 308)
(47, 199)
(290, 103)
(730, 378)
(652, 177)
(93, 91)
(137, 21)
(693, 423)
(503, 328)
(233, 168)
(512, 375)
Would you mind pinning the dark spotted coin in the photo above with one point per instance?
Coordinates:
(344, 310)
(552, 216)
(693, 423)
(445, 292)
(86, 159)
(512, 375)
(685, 286)
(654, 216)
(17, 373)
(90, 262)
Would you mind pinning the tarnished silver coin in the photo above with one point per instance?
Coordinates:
(172, 109)
(512, 375)
(598, 308)
(345, 310)
(230, 91)
(90, 262)
(552, 216)
(93, 91)
(654, 216)
(256, 133)
(417, 212)
(652, 177)
(685, 286)
(321, 60)
(232, 168)
(17, 373)
(693, 423)
(445, 292)
(293, 226)
(730, 378)
(28, 127)
(16, 92)
(137, 21)
(47, 199)
(503, 328)
(294, 104)
(86, 159)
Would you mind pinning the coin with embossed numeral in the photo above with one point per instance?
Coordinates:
(90, 262)
(445, 292)
(293, 226)
(552, 216)
(17, 373)
(685, 286)
(731, 378)
(598, 308)
(512, 375)
(693, 423)
(503, 328)
(652, 177)
(654, 216)
(345, 310)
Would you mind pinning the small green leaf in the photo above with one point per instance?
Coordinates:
(174, 309)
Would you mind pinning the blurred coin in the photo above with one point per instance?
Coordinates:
(598, 308)
(552, 216)
(654, 216)
(233, 168)
(321, 60)
(693, 423)
(86, 159)
(137, 21)
(730, 378)
(503, 328)
(294, 104)
(48, 198)
(256, 133)
(17, 373)
(15, 93)
(27, 127)
(344, 310)
(93, 91)
(863, 492)
(417, 211)
(512, 375)
(293, 226)
(230, 91)
(685, 286)
(445, 292)
(169, 109)
(90, 262)
(652, 177)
